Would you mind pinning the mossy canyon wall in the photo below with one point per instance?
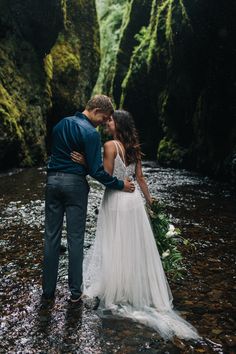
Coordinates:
(49, 57)
(175, 71)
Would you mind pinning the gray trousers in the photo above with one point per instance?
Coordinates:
(65, 194)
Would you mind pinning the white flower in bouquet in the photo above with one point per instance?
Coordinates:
(171, 231)
(165, 254)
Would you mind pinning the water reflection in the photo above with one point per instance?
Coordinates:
(44, 316)
(203, 209)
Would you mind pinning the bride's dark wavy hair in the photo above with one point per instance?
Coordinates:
(127, 134)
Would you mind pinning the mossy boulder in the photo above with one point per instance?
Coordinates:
(171, 154)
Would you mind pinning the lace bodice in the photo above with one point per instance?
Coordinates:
(121, 171)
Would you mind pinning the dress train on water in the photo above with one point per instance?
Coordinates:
(124, 270)
(123, 267)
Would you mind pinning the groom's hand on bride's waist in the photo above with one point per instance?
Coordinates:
(128, 186)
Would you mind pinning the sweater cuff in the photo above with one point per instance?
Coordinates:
(120, 185)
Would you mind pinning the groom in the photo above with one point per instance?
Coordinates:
(67, 190)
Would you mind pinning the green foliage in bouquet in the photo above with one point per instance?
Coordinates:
(167, 238)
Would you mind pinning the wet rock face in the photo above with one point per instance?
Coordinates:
(136, 16)
(73, 61)
(179, 83)
(49, 61)
(38, 21)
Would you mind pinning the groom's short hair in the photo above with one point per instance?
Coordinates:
(102, 102)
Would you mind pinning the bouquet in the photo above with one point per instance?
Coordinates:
(167, 239)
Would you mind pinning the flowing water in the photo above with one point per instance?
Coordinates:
(203, 209)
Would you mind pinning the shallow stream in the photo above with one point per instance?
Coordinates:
(203, 209)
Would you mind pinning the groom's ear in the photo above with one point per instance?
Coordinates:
(96, 110)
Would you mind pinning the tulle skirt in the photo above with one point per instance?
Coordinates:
(123, 267)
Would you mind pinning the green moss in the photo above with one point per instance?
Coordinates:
(22, 104)
(48, 67)
(170, 153)
(65, 57)
(9, 113)
(64, 11)
(169, 33)
(170, 79)
(35, 87)
(155, 21)
(171, 16)
(112, 19)
(163, 101)
(66, 73)
(27, 160)
(153, 58)
(75, 59)
(184, 13)
(137, 62)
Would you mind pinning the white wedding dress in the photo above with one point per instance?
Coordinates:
(123, 267)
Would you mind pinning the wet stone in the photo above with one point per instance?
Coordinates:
(230, 341)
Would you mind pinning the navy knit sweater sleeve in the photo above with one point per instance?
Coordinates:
(92, 146)
(77, 133)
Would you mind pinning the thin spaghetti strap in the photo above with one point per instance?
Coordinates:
(117, 151)
(122, 154)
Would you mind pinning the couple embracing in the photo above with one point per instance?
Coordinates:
(123, 267)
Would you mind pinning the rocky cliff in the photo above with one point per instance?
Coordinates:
(49, 55)
(175, 72)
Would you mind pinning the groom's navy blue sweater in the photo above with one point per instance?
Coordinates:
(77, 133)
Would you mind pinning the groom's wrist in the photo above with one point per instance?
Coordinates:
(121, 184)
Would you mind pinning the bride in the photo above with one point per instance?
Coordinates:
(123, 268)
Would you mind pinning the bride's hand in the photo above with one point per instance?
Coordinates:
(78, 158)
(150, 201)
(128, 186)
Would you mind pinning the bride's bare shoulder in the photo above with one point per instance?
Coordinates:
(110, 148)
(109, 145)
